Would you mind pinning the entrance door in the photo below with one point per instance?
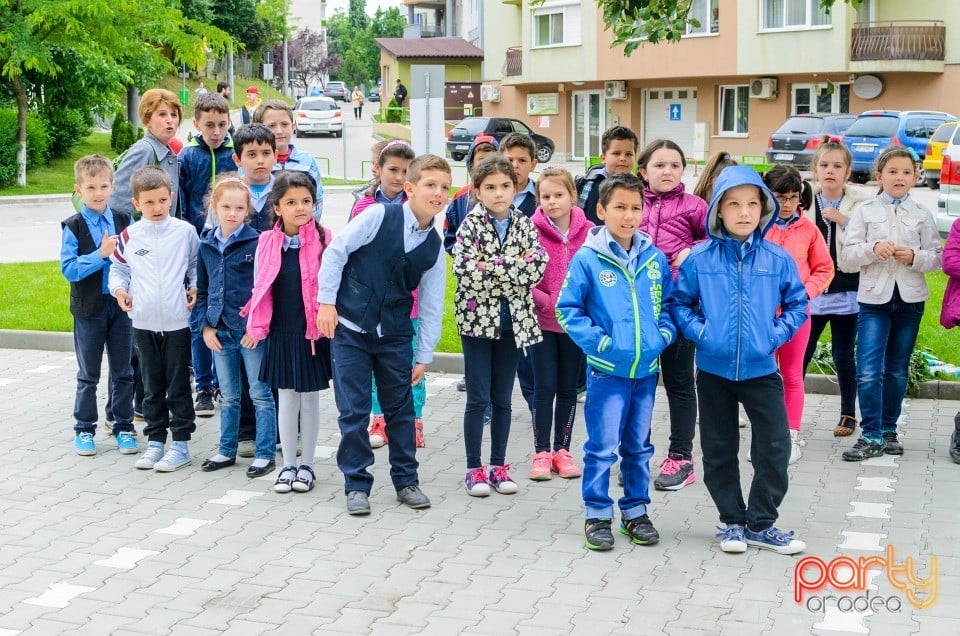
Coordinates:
(590, 115)
(670, 113)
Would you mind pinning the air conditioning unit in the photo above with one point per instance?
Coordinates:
(489, 93)
(615, 90)
(763, 88)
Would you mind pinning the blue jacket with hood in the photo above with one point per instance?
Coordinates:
(199, 166)
(464, 200)
(613, 314)
(738, 302)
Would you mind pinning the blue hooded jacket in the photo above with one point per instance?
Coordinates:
(738, 302)
(613, 314)
(199, 166)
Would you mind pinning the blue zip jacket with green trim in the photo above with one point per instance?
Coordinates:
(614, 314)
(199, 166)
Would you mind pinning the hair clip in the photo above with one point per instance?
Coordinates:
(833, 139)
(233, 180)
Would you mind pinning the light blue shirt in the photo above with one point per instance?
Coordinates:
(380, 197)
(361, 231)
(76, 266)
(501, 226)
(631, 257)
(531, 189)
(223, 242)
(889, 199)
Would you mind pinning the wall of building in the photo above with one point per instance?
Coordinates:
(501, 31)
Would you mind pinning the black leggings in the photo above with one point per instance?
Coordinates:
(557, 363)
(843, 333)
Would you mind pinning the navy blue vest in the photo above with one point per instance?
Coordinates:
(379, 278)
(86, 295)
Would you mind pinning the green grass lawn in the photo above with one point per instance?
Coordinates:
(238, 96)
(57, 176)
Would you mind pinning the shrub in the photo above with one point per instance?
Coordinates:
(38, 143)
(67, 127)
(118, 120)
(123, 134)
(394, 113)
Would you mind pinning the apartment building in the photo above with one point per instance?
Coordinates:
(729, 82)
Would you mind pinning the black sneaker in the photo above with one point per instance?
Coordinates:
(955, 446)
(891, 444)
(204, 406)
(640, 530)
(598, 534)
(863, 449)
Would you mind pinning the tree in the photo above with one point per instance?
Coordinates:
(356, 48)
(308, 63)
(110, 44)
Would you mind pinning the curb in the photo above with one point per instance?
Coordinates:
(453, 363)
(21, 199)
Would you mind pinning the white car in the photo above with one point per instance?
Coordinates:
(948, 205)
(316, 115)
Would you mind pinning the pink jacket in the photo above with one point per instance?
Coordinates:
(803, 241)
(560, 251)
(674, 220)
(259, 309)
(950, 311)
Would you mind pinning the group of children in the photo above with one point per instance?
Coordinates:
(560, 283)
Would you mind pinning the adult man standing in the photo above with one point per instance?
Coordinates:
(400, 94)
(223, 89)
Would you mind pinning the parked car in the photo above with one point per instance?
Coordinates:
(373, 95)
(462, 135)
(312, 115)
(875, 130)
(948, 204)
(337, 91)
(934, 154)
(795, 141)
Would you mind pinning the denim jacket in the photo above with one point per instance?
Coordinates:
(225, 280)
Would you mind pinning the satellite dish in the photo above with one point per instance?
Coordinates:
(868, 87)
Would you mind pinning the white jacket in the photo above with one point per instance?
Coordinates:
(152, 261)
(908, 225)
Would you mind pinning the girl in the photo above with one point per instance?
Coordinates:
(497, 259)
(833, 204)
(800, 238)
(390, 170)
(676, 221)
(224, 281)
(283, 309)
(893, 240)
(950, 311)
(558, 361)
(711, 171)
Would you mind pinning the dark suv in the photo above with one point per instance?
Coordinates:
(795, 141)
(460, 138)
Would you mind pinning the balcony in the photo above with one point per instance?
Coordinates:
(900, 45)
(513, 65)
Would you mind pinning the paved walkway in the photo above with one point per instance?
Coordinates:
(93, 546)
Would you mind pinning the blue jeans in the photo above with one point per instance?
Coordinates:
(111, 328)
(617, 413)
(202, 358)
(229, 369)
(886, 335)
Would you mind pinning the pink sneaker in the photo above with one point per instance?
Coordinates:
(563, 464)
(377, 431)
(542, 463)
(675, 472)
(501, 480)
(476, 482)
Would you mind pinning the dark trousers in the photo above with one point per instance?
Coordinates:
(843, 341)
(137, 384)
(204, 371)
(110, 329)
(490, 367)
(557, 364)
(676, 367)
(526, 378)
(248, 419)
(355, 356)
(167, 400)
(762, 399)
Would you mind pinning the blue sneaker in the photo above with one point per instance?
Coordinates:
(774, 539)
(151, 456)
(126, 444)
(176, 458)
(84, 445)
(731, 538)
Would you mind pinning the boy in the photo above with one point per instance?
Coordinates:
(89, 237)
(739, 298)
(463, 201)
(521, 152)
(367, 278)
(278, 117)
(201, 160)
(152, 259)
(255, 154)
(618, 152)
(610, 305)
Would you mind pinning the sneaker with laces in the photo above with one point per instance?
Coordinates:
(774, 539)
(126, 444)
(377, 431)
(732, 538)
(418, 432)
(955, 446)
(541, 467)
(151, 456)
(676, 471)
(640, 530)
(476, 482)
(564, 465)
(598, 534)
(501, 480)
(795, 453)
(863, 449)
(176, 458)
(204, 406)
(891, 444)
(84, 444)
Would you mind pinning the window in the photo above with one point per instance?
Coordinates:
(557, 24)
(707, 13)
(837, 101)
(792, 14)
(734, 109)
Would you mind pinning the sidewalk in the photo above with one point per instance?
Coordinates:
(93, 546)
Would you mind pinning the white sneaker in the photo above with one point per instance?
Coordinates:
(152, 455)
(795, 453)
(176, 458)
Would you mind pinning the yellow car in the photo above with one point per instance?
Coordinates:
(933, 157)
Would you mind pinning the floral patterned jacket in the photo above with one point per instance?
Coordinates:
(487, 271)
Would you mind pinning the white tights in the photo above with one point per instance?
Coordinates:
(298, 408)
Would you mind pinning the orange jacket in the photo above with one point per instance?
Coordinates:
(803, 241)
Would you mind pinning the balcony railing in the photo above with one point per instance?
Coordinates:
(514, 63)
(898, 40)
